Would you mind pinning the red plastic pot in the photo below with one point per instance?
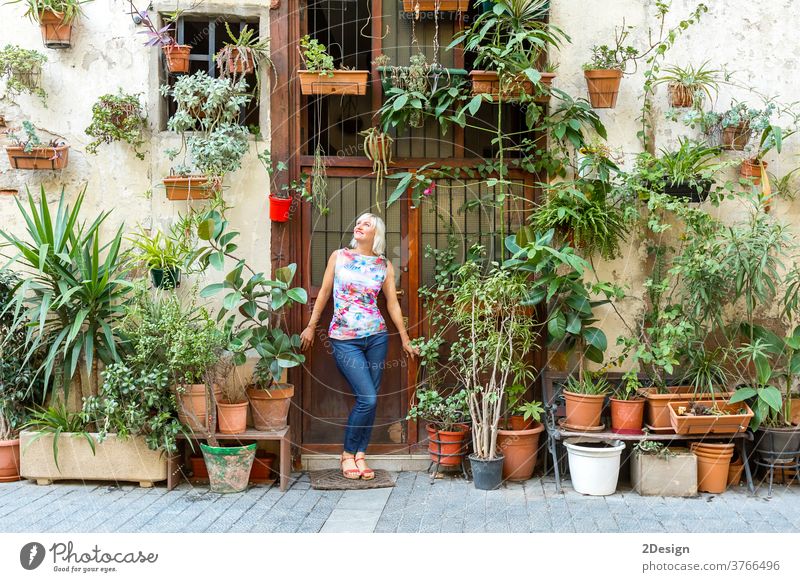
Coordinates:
(279, 208)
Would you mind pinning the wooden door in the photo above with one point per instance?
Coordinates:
(326, 397)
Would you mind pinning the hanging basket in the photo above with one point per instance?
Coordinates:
(177, 56)
(189, 187)
(238, 60)
(279, 208)
(56, 34)
(603, 85)
(488, 82)
(335, 83)
(736, 136)
(431, 5)
(680, 95)
(40, 158)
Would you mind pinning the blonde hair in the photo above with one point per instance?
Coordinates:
(379, 242)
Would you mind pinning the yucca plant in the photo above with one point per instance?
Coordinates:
(71, 290)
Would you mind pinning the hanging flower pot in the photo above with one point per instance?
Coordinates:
(447, 447)
(168, 278)
(232, 417)
(433, 5)
(56, 34)
(603, 87)
(177, 56)
(228, 467)
(338, 82)
(38, 158)
(736, 136)
(9, 460)
(751, 169)
(188, 187)
(680, 95)
(270, 408)
(279, 208)
(488, 82)
(238, 60)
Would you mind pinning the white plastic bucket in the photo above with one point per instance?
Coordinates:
(594, 470)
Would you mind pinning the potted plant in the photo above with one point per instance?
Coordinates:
(737, 125)
(280, 199)
(252, 312)
(243, 53)
(509, 41)
(584, 400)
(176, 55)
(164, 254)
(664, 471)
(604, 71)
(754, 167)
(320, 78)
(30, 153)
(117, 118)
(687, 171)
(519, 442)
(417, 6)
(55, 17)
(232, 410)
(495, 331)
(689, 85)
(22, 70)
(378, 150)
(627, 407)
(447, 419)
(210, 109)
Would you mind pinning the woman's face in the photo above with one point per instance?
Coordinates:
(364, 230)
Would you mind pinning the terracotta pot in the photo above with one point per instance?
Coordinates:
(430, 5)
(656, 411)
(680, 95)
(279, 208)
(242, 63)
(489, 82)
(795, 410)
(232, 417)
(603, 87)
(752, 169)
(520, 449)
(518, 422)
(270, 408)
(712, 448)
(337, 83)
(735, 471)
(55, 33)
(712, 472)
(447, 447)
(177, 56)
(583, 410)
(9, 461)
(188, 187)
(627, 415)
(736, 136)
(192, 406)
(39, 158)
(380, 149)
(724, 424)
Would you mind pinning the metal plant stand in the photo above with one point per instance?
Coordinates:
(462, 453)
(773, 459)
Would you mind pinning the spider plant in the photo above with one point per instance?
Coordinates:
(69, 10)
(690, 163)
(690, 82)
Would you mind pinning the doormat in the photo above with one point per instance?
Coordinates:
(333, 479)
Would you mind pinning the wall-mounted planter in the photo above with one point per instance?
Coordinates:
(603, 87)
(751, 169)
(735, 137)
(729, 423)
(115, 459)
(696, 192)
(680, 95)
(488, 82)
(56, 34)
(674, 475)
(188, 187)
(39, 158)
(239, 60)
(431, 5)
(168, 278)
(177, 57)
(279, 208)
(336, 83)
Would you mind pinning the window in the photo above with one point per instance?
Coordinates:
(207, 36)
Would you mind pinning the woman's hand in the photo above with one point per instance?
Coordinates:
(410, 350)
(307, 338)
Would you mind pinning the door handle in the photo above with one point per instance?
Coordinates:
(400, 292)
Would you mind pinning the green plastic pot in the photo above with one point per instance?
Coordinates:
(168, 278)
(228, 467)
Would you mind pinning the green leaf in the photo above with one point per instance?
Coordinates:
(595, 338)
(772, 396)
(205, 230)
(557, 326)
(211, 290)
(475, 104)
(573, 323)
(298, 295)
(742, 394)
(217, 260)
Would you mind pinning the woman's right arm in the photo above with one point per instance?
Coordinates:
(307, 335)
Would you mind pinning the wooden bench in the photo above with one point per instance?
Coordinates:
(176, 463)
(552, 386)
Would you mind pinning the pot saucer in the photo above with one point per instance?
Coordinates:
(662, 430)
(575, 428)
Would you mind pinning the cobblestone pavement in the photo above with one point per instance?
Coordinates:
(413, 505)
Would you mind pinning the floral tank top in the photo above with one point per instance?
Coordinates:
(357, 281)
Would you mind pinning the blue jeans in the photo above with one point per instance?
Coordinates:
(361, 362)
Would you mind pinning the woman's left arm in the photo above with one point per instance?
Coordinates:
(395, 313)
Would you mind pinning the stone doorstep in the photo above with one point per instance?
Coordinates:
(416, 462)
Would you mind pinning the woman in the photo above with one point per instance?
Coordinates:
(357, 330)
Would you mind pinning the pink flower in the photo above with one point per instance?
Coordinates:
(429, 190)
